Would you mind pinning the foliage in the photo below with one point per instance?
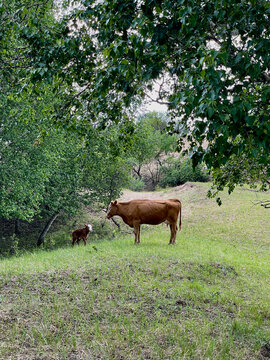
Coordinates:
(106, 167)
(179, 170)
(214, 57)
(24, 163)
(39, 163)
(45, 170)
(56, 173)
(136, 184)
(240, 171)
(150, 147)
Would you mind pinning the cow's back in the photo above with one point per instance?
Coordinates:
(152, 212)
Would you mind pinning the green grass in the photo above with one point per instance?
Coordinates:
(207, 297)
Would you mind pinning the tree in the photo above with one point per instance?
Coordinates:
(106, 166)
(24, 162)
(178, 170)
(239, 171)
(151, 146)
(46, 170)
(212, 55)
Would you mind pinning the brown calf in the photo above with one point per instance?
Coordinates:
(79, 234)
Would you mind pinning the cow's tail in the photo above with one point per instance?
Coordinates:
(180, 221)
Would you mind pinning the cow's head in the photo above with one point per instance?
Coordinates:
(112, 210)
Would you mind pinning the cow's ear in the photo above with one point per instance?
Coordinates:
(115, 202)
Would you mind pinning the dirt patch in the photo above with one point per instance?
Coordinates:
(265, 351)
(156, 195)
(221, 269)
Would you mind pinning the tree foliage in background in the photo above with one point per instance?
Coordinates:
(106, 169)
(45, 170)
(213, 57)
(179, 170)
(151, 146)
(49, 164)
(91, 64)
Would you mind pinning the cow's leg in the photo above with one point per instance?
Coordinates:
(171, 238)
(73, 241)
(173, 228)
(137, 233)
(84, 240)
(78, 241)
(173, 232)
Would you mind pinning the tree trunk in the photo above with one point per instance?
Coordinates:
(138, 172)
(16, 227)
(46, 229)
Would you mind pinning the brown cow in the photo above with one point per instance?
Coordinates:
(79, 234)
(151, 212)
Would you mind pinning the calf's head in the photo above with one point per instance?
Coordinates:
(89, 226)
(112, 210)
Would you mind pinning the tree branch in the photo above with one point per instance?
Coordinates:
(157, 100)
(265, 203)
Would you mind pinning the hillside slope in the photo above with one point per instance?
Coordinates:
(207, 297)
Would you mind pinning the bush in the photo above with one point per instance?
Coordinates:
(136, 184)
(178, 171)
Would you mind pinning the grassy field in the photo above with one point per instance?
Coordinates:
(207, 297)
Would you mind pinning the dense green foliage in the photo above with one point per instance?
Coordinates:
(179, 170)
(214, 57)
(47, 171)
(151, 147)
(58, 172)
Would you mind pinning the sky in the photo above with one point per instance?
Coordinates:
(153, 106)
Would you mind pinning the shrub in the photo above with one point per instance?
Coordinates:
(136, 184)
(178, 171)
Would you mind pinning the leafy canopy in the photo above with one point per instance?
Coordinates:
(212, 55)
